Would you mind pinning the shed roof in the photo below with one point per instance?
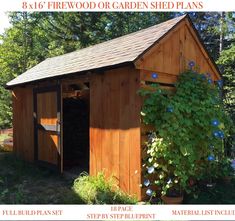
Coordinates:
(113, 52)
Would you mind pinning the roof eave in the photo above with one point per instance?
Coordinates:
(64, 76)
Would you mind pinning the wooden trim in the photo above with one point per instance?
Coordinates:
(35, 126)
(61, 131)
(58, 126)
(46, 89)
(146, 75)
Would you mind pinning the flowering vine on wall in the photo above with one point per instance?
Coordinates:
(190, 126)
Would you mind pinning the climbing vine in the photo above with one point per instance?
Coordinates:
(190, 126)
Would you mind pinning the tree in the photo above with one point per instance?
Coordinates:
(21, 48)
(227, 63)
(35, 36)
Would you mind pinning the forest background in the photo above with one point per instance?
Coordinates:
(33, 37)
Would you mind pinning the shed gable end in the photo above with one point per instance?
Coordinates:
(173, 52)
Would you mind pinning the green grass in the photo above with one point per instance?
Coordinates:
(97, 190)
(25, 183)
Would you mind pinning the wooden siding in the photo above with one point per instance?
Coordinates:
(47, 115)
(171, 55)
(115, 127)
(23, 129)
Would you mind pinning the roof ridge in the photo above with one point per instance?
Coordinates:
(123, 36)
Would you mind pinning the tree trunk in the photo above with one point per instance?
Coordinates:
(221, 41)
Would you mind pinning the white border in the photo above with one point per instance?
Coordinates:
(114, 5)
(117, 212)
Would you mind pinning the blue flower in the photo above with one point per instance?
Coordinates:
(203, 77)
(150, 170)
(210, 81)
(215, 122)
(149, 192)
(221, 134)
(208, 75)
(154, 75)
(216, 134)
(146, 182)
(211, 158)
(169, 109)
(191, 64)
(220, 83)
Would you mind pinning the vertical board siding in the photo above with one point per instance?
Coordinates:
(135, 145)
(48, 141)
(23, 127)
(115, 127)
(172, 54)
(96, 118)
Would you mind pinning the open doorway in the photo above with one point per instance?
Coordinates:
(76, 100)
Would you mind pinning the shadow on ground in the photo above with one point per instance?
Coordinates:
(25, 183)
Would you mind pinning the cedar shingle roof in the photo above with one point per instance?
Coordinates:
(113, 52)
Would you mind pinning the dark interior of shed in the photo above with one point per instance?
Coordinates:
(76, 128)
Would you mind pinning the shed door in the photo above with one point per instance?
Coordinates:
(47, 108)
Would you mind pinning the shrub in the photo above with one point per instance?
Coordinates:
(98, 190)
(190, 126)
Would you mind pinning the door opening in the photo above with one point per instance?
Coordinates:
(76, 110)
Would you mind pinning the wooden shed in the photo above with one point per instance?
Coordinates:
(82, 108)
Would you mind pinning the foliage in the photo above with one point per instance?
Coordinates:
(189, 129)
(227, 60)
(227, 64)
(215, 28)
(225, 168)
(222, 193)
(98, 190)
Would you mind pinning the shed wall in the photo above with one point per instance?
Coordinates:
(171, 55)
(23, 127)
(115, 127)
(168, 58)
